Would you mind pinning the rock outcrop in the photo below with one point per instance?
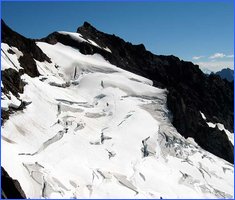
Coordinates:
(11, 79)
(27, 46)
(11, 188)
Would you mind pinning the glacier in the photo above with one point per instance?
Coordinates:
(93, 130)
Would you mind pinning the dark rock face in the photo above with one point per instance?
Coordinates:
(190, 91)
(12, 82)
(27, 46)
(224, 148)
(11, 78)
(11, 188)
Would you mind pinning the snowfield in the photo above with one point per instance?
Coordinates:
(94, 130)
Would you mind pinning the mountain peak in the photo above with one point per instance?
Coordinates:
(86, 26)
(226, 73)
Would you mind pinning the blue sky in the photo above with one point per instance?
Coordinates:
(201, 32)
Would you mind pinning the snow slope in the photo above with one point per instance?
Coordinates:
(96, 131)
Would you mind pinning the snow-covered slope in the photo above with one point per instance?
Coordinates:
(93, 130)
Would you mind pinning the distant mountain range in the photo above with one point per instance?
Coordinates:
(225, 73)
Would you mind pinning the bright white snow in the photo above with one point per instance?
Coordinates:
(9, 101)
(96, 131)
(203, 116)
